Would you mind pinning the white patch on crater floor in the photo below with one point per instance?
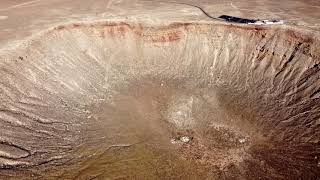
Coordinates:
(3, 17)
(180, 112)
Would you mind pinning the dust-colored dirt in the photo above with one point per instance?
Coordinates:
(103, 99)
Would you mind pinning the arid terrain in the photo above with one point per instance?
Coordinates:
(119, 89)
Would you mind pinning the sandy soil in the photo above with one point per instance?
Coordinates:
(98, 89)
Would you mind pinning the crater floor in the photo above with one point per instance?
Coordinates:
(107, 90)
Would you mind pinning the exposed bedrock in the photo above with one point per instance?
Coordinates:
(53, 88)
